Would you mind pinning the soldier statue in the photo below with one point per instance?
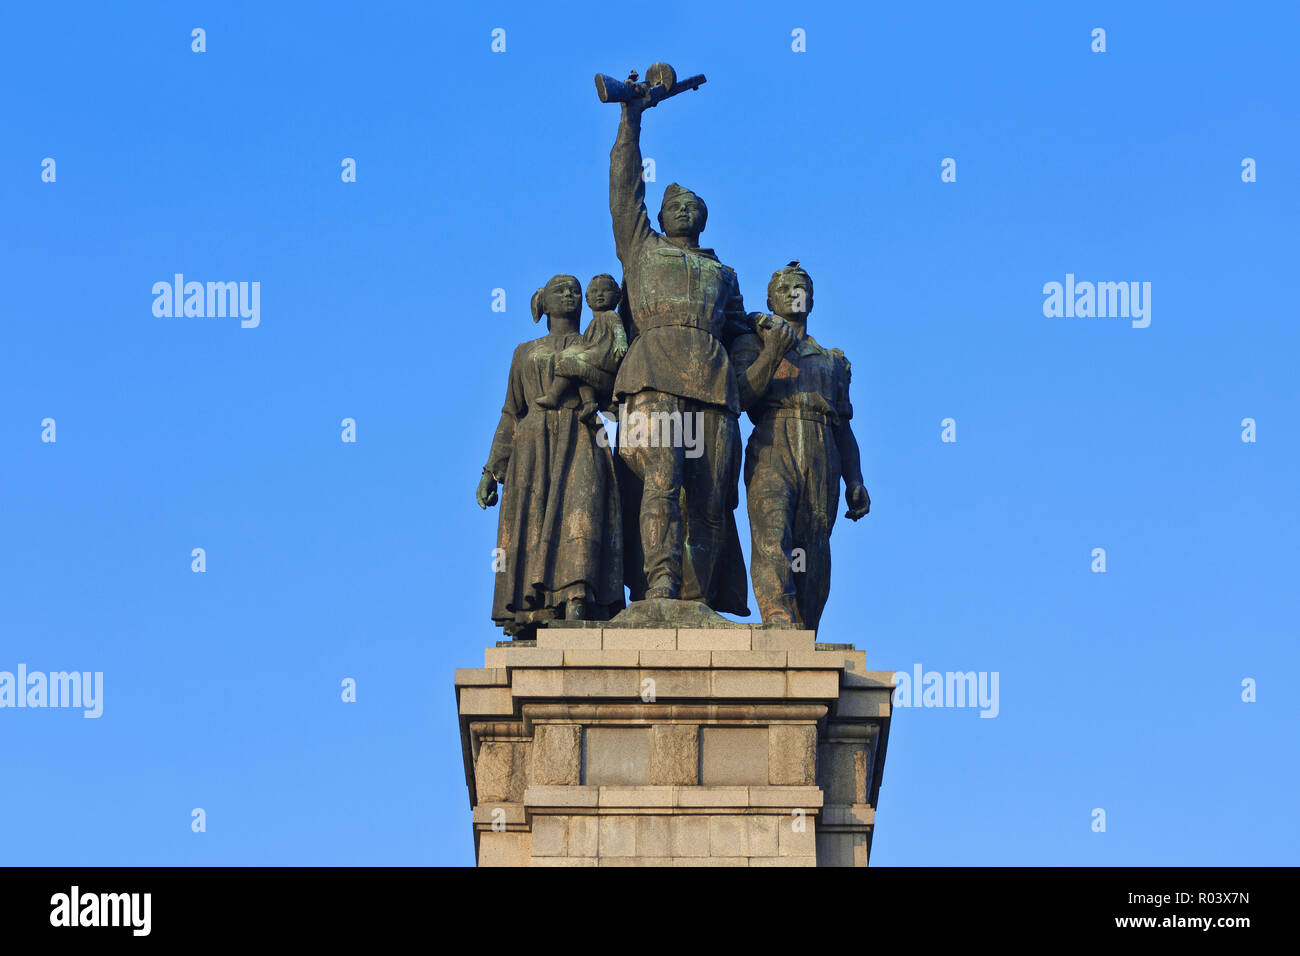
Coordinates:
(684, 310)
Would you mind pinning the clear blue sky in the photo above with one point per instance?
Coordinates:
(478, 170)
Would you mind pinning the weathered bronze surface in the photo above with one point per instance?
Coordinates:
(673, 355)
(589, 367)
(797, 396)
(560, 536)
(685, 308)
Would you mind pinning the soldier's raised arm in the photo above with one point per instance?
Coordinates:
(626, 185)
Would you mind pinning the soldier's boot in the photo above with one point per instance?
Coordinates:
(664, 590)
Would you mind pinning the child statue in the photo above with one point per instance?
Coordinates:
(604, 343)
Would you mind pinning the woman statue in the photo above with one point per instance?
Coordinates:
(560, 537)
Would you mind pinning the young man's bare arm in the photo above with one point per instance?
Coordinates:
(855, 491)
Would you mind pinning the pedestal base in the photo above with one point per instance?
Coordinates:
(636, 746)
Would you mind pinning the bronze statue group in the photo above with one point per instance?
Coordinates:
(578, 522)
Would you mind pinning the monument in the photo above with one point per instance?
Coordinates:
(656, 731)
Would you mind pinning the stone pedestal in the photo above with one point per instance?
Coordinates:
(662, 746)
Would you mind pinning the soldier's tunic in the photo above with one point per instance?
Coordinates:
(684, 310)
(792, 476)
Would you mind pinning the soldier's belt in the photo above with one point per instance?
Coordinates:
(667, 320)
(804, 414)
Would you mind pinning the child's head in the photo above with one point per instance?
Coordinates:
(603, 293)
